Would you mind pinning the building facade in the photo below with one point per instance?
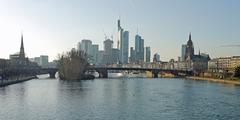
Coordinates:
(86, 46)
(95, 49)
(184, 49)
(44, 61)
(123, 37)
(148, 55)
(139, 49)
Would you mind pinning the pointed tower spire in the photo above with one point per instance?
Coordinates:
(190, 36)
(22, 53)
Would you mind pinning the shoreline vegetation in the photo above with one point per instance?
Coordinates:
(225, 81)
(73, 65)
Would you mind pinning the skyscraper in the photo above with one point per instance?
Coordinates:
(123, 37)
(184, 49)
(148, 54)
(124, 47)
(86, 46)
(108, 47)
(95, 49)
(43, 60)
(132, 55)
(139, 48)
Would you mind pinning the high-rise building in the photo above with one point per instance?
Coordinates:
(184, 49)
(115, 55)
(95, 49)
(132, 55)
(123, 37)
(100, 60)
(148, 54)
(124, 49)
(86, 46)
(79, 46)
(108, 45)
(43, 61)
(156, 57)
(139, 48)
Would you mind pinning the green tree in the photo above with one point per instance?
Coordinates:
(72, 65)
(237, 72)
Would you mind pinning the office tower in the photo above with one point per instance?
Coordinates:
(86, 46)
(148, 54)
(108, 46)
(43, 61)
(139, 49)
(123, 37)
(184, 49)
(95, 49)
(132, 55)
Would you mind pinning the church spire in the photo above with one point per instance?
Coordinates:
(22, 53)
(190, 36)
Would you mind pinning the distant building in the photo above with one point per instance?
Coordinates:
(19, 58)
(115, 56)
(123, 37)
(108, 46)
(100, 60)
(199, 63)
(79, 46)
(95, 49)
(139, 49)
(20, 61)
(224, 64)
(44, 61)
(184, 49)
(190, 49)
(86, 46)
(235, 62)
(148, 54)
(156, 57)
(132, 58)
(37, 60)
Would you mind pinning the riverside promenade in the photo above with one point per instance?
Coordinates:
(19, 80)
(215, 80)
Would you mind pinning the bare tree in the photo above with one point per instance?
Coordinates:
(72, 65)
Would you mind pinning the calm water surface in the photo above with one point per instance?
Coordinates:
(120, 99)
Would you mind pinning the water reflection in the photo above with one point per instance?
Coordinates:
(134, 98)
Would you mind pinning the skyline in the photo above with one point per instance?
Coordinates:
(52, 27)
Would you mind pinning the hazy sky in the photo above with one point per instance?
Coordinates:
(53, 26)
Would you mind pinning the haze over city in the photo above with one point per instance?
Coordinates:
(52, 26)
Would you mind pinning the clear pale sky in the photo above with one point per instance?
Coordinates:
(54, 26)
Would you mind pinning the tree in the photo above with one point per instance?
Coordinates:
(237, 72)
(72, 65)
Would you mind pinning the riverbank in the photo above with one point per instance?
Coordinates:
(216, 80)
(10, 82)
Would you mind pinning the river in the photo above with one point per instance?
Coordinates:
(120, 99)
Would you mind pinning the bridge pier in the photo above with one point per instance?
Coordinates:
(52, 74)
(103, 73)
(155, 74)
